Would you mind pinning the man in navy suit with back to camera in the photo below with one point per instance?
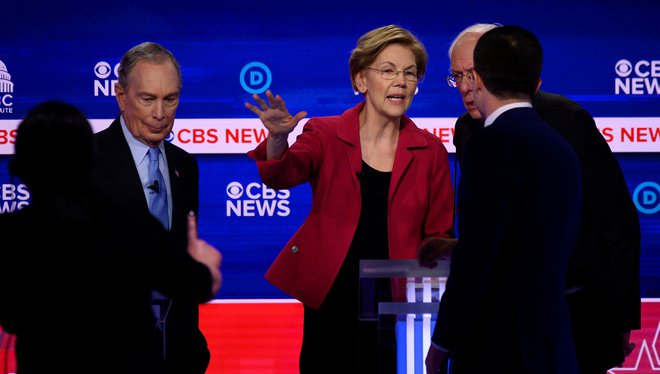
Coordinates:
(135, 164)
(603, 287)
(519, 198)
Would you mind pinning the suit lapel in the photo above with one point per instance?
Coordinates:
(119, 165)
(348, 131)
(409, 138)
(175, 183)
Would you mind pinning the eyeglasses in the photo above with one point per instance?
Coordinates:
(455, 79)
(391, 74)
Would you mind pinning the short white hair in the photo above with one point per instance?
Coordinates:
(477, 28)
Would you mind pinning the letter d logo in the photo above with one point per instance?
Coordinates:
(255, 77)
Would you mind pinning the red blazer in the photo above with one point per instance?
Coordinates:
(327, 154)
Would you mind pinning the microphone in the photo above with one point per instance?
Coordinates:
(153, 187)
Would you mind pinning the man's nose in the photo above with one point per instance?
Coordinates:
(464, 86)
(159, 110)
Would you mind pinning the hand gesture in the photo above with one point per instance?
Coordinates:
(434, 249)
(436, 360)
(204, 253)
(628, 347)
(274, 115)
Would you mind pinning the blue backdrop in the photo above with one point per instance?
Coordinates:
(605, 55)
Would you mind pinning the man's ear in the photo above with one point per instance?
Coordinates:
(538, 85)
(120, 95)
(478, 82)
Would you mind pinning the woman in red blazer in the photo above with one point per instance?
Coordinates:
(381, 186)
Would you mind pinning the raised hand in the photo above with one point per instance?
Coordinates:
(274, 114)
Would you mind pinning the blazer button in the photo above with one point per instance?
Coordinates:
(295, 249)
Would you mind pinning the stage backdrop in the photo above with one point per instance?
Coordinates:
(604, 55)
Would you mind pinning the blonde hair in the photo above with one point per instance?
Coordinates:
(373, 42)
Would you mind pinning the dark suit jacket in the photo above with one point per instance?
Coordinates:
(503, 310)
(77, 275)
(117, 176)
(606, 260)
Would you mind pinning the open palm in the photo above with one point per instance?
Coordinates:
(274, 114)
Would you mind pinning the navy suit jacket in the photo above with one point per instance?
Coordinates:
(117, 177)
(504, 310)
(605, 264)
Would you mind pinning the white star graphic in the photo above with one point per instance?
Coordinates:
(650, 364)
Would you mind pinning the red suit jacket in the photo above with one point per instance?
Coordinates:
(327, 154)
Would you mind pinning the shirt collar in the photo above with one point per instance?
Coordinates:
(138, 149)
(493, 116)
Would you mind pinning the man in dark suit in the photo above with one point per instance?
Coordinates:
(78, 268)
(504, 310)
(603, 286)
(148, 96)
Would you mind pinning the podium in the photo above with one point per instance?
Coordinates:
(415, 317)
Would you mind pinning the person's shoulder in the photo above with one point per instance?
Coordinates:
(178, 152)
(323, 126)
(425, 134)
(551, 102)
(324, 121)
(108, 131)
(349, 116)
(465, 118)
(109, 138)
(174, 148)
(564, 115)
(417, 136)
(466, 125)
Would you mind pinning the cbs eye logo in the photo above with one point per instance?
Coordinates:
(102, 70)
(104, 83)
(256, 200)
(623, 68)
(255, 77)
(234, 190)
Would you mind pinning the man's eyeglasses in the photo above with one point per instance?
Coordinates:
(391, 74)
(455, 79)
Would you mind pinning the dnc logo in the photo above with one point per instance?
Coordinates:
(647, 197)
(255, 77)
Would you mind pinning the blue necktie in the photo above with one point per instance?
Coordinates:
(158, 208)
(157, 190)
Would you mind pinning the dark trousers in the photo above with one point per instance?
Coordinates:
(597, 344)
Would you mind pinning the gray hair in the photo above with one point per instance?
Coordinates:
(477, 28)
(150, 51)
